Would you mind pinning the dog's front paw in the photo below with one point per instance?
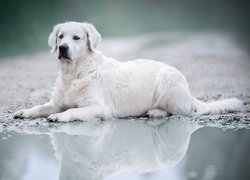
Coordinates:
(18, 114)
(57, 118)
(22, 114)
(52, 118)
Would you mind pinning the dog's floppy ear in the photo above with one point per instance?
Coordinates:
(52, 41)
(94, 37)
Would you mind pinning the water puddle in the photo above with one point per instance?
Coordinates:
(177, 149)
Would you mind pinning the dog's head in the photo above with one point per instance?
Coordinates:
(72, 40)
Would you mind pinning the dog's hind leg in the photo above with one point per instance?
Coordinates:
(178, 100)
(172, 93)
(157, 113)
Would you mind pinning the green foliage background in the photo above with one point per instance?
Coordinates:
(26, 24)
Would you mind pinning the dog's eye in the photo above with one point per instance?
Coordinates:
(76, 37)
(61, 36)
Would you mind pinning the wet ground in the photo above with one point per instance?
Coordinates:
(204, 148)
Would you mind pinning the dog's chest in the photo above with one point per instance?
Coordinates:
(73, 94)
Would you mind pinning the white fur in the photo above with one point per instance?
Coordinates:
(91, 86)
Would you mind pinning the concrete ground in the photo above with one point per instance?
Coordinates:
(216, 65)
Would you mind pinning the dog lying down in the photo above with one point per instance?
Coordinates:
(91, 86)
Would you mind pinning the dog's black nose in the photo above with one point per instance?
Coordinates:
(63, 48)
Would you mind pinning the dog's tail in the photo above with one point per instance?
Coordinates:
(216, 107)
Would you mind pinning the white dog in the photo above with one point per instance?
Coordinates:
(91, 86)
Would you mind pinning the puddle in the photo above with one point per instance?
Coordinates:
(126, 149)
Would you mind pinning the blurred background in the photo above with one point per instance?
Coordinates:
(25, 25)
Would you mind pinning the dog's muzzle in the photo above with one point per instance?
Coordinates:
(63, 51)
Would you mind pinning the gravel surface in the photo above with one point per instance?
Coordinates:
(216, 65)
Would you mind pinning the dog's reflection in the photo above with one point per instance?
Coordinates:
(96, 150)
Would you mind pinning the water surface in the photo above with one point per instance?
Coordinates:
(126, 149)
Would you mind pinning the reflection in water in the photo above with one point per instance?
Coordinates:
(96, 150)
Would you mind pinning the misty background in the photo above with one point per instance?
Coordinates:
(25, 25)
